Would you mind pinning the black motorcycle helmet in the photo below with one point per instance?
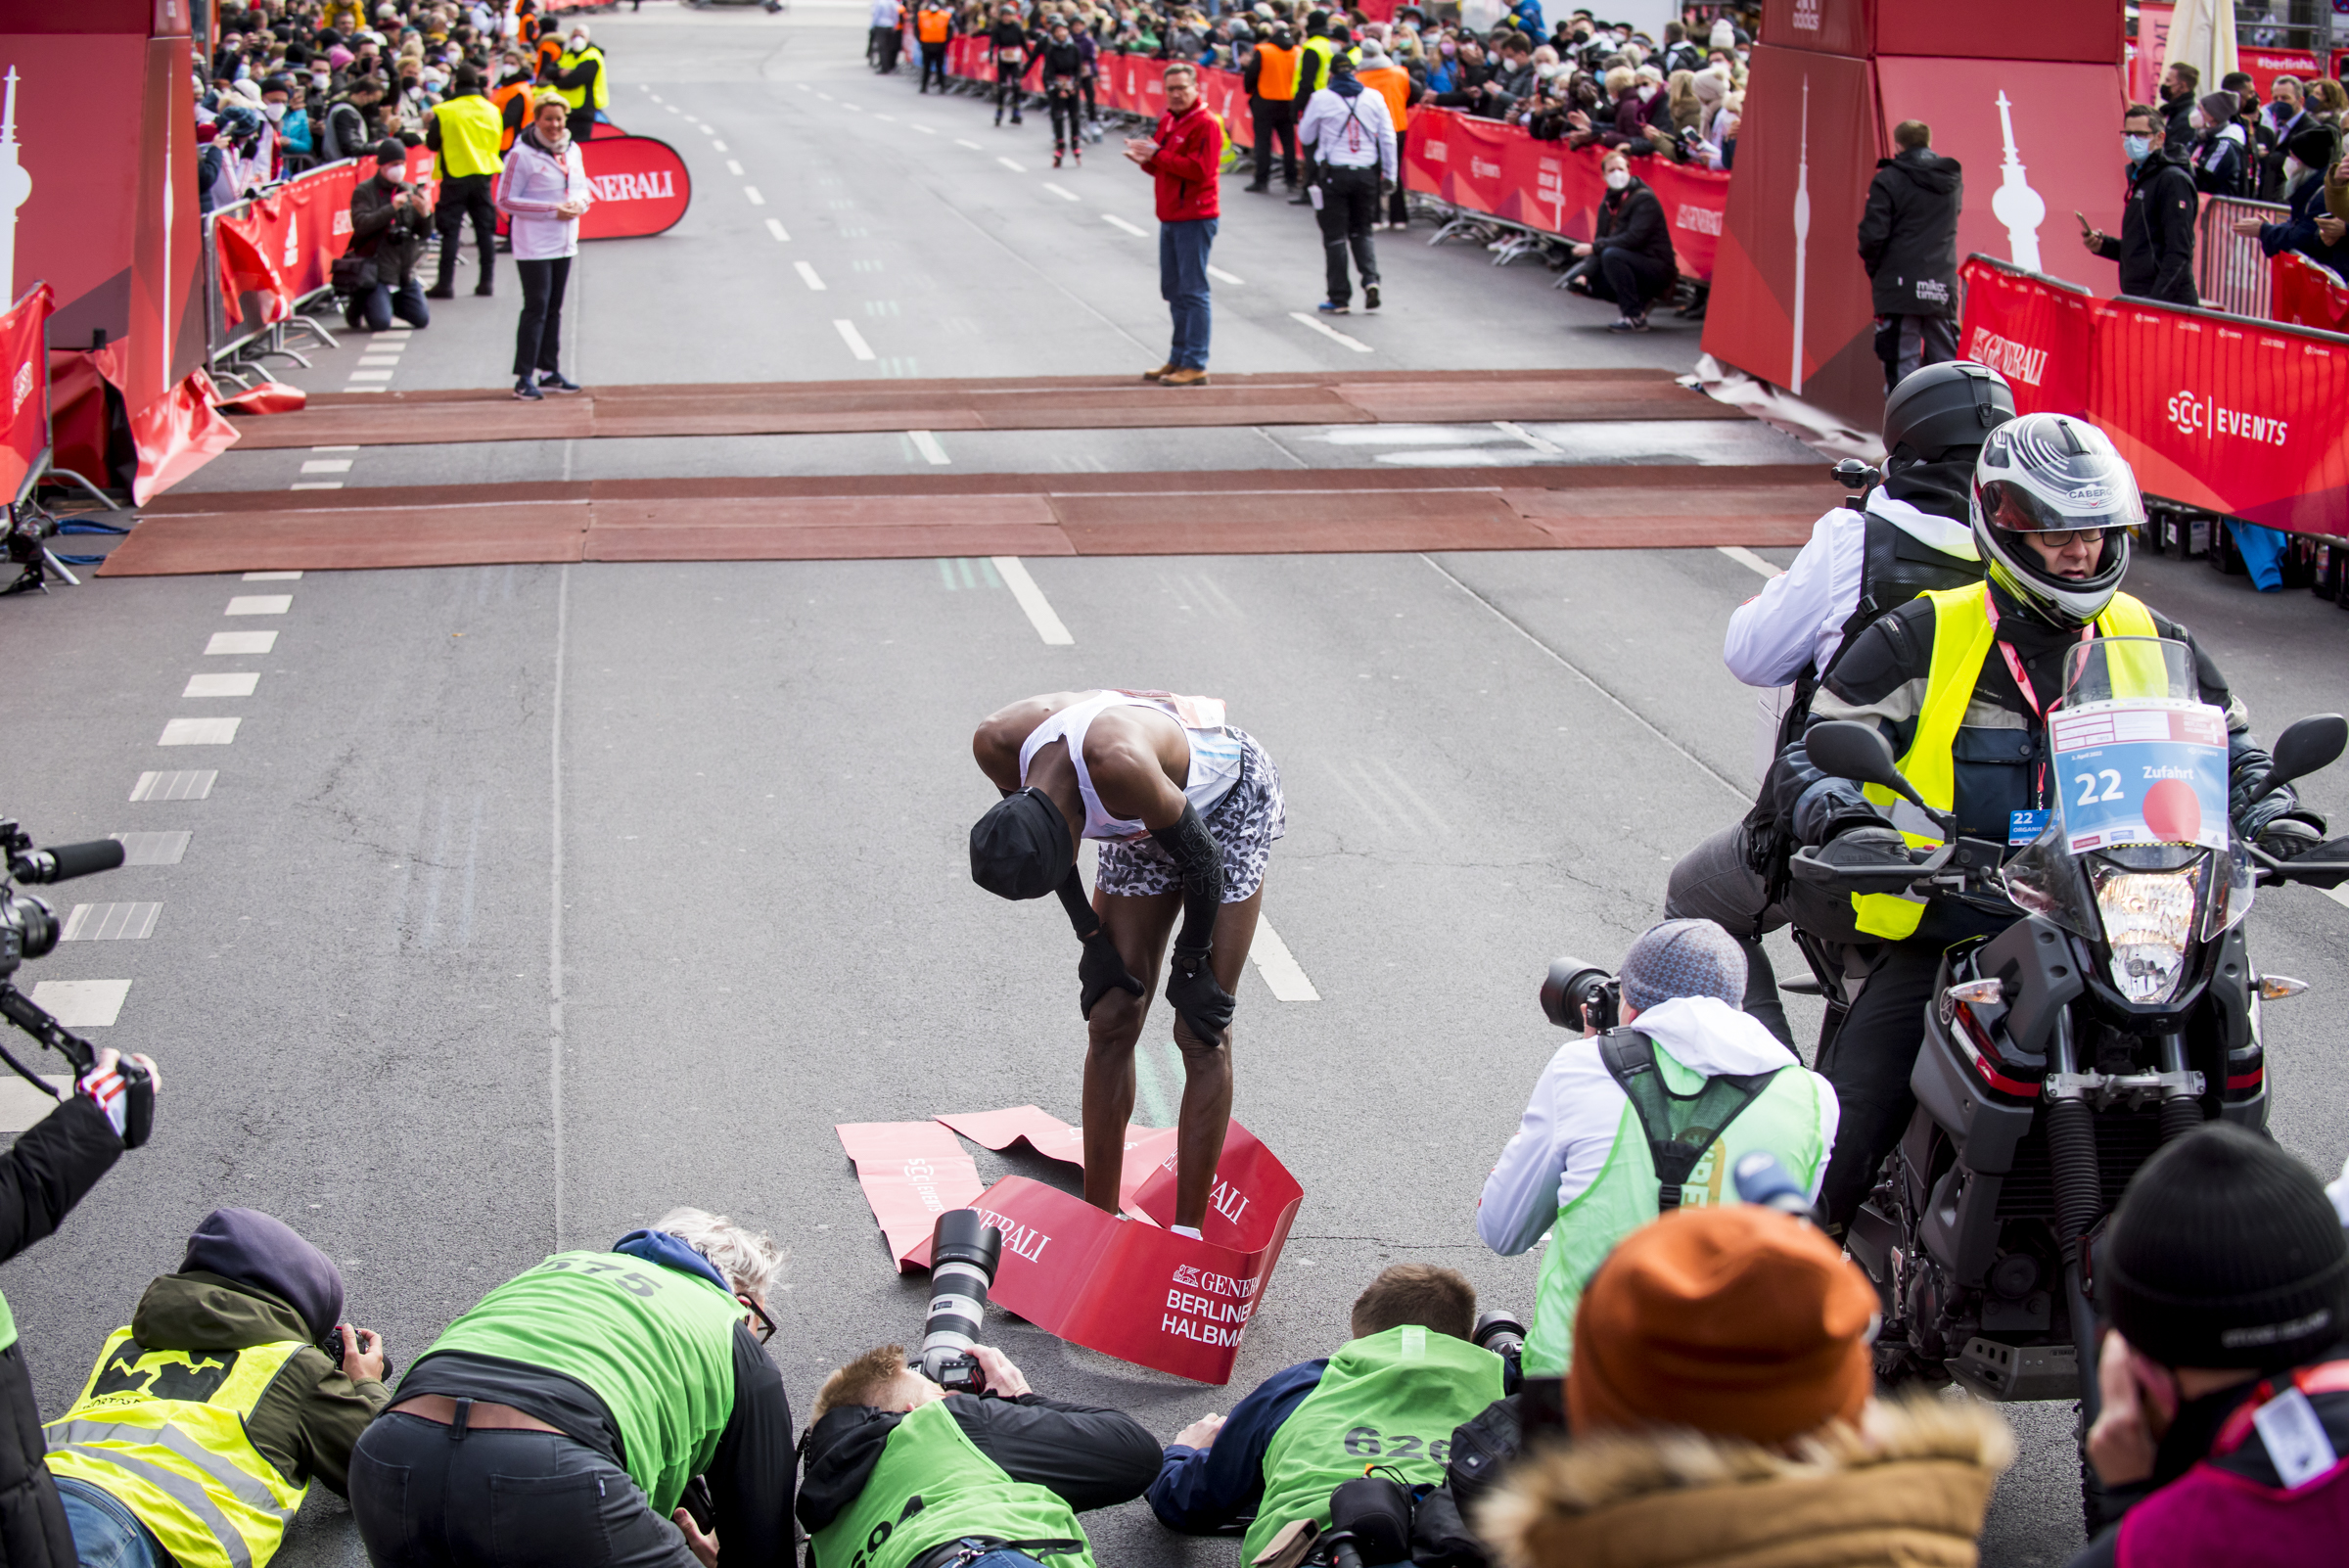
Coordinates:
(1956, 403)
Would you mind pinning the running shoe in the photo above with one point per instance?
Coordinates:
(1370, 297)
(1637, 323)
(556, 380)
(1330, 308)
(527, 390)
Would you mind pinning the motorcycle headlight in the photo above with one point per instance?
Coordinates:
(2148, 918)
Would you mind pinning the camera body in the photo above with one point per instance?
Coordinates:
(30, 929)
(1581, 996)
(335, 1349)
(965, 1249)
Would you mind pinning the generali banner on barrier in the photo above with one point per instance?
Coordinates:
(641, 187)
(2219, 412)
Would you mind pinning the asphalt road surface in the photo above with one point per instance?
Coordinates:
(526, 902)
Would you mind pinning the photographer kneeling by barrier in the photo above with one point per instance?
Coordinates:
(204, 1422)
(1627, 1124)
(902, 1474)
(1723, 1413)
(560, 1421)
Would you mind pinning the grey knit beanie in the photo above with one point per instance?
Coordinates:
(1683, 959)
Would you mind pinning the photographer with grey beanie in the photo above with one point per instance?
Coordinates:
(2225, 1374)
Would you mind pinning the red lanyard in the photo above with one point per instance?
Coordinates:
(2015, 667)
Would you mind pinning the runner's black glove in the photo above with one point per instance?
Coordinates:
(1193, 992)
(1101, 971)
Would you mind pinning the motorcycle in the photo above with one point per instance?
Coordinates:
(2119, 1011)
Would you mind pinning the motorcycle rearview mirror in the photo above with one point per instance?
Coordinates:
(1845, 748)
(2305, 747)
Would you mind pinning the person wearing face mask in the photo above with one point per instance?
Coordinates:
(2155, 247)
(2222, 156)
(2311, 229)
(582, 82)
(2181, 86)
(389, 220)
(2282, 119)
(1632, 251)
(2263, 154)
(544, 190)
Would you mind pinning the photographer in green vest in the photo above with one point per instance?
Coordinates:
(1647, 1117)
(204, 1421)
(1389, 1397)
(902, 1474)
(559, 1423)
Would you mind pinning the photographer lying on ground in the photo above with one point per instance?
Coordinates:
(559, 1420)
(1407, 1378)
(1703, 1083)
(902, 1474)
(220, 1373)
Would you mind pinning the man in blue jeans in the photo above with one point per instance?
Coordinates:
(1184, 154)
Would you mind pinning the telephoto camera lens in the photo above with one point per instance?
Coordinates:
(28, 929)
(965, 1249)
(1499, 1332)
(1576, 996)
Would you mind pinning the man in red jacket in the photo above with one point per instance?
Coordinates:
(1184, 156)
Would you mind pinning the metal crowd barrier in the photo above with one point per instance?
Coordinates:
(2231, 271)
(236, 359)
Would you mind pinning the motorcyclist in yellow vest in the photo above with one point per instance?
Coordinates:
(899, 1473)
(1610, 1140)
(1389, 1397)
(1270, 78)
(585, 85)
(1959, 683)
(467, 131)
(198, 1431)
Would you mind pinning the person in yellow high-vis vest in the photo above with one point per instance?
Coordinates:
(1959, 681)
(465, 130)
(51, 1166)
(202, 1426)
(585, 84)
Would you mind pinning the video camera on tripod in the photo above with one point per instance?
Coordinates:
(30, 929)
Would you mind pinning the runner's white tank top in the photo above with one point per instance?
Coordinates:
(1215, 752)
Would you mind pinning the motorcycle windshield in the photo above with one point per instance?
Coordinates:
(2106, 669)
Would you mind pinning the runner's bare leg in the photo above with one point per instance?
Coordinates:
(1140, 927)
(1206, 1070)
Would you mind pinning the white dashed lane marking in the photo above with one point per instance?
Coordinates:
(327, 465)
(259, 604)
(157, 848)
(242, 642)
(973, 146)
(928, 446)
(22, 1105)
(853, 339)
(752, 191)
(1014, 572)
(200, 732)
(190, 785)
(807, 276)
(82, 1003)
(1278, 968)
(1221, 276)
(1062, 192)
(1329, 332)
(1745, 557)
(291, 576)
(1016, 168)
(1117, 222)
(776, 228)
(733, 167)
(111, 922)
(239, 683)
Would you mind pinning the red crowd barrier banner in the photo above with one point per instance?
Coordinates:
(2303, 293)
(641, 187)
(25, 361)
(2032, 331)
(2218, 412)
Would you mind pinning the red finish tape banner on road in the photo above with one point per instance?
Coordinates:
(2032, 331)
(1136, 1291)
(911, 1173)
(2219, 412)
(641, 187)
(1055, 1139)
(24, 362)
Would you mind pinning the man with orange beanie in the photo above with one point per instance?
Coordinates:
(1713, 1347)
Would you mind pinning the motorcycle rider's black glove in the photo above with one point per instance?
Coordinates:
(2289, 836)
(1864, 846)
(1195, 993)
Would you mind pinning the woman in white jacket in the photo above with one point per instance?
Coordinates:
(544, 191)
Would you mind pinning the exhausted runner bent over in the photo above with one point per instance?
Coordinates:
(1187, 809)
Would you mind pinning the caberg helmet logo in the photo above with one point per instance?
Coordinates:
(2091, 495)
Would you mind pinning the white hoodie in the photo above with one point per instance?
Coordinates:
(1577, 1109)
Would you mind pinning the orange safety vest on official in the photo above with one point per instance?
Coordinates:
(934, 25)
(500, 99)
(1276, 72)
(1394, 84)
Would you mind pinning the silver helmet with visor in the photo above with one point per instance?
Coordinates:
(2056, 477)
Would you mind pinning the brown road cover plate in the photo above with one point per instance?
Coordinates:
(1043, 402)
(879, 517)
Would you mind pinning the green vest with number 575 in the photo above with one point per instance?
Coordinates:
(1390, 1399)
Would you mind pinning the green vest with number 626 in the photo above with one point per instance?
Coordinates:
(1392, 1400)
(931, 1486)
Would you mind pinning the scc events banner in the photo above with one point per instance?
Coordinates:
(1477, 165)
(2220, 412)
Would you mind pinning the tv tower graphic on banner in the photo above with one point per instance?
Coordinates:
(2014, 204)
(1802, 236)
(16, 184)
